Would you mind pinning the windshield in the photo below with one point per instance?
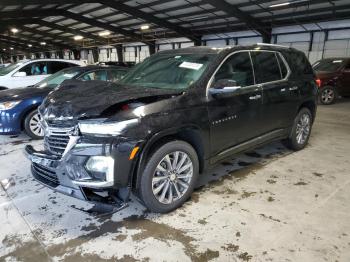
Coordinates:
(57, 78)
(168, 71)
(328, 65)
(10, 68)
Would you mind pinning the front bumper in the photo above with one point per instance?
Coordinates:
(56, 172)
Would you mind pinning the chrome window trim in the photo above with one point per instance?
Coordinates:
(254, 75)
(222, 62)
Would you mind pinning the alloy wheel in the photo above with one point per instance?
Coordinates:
(172, 177)
(35, 125)
(303, 128)
(327, 96)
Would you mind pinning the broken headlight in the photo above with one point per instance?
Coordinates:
(101, 128)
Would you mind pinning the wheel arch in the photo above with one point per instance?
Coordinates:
(26, 112)
(311, 105)
(191, 135)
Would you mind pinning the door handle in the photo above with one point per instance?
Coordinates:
(256, 97)
(293, 88)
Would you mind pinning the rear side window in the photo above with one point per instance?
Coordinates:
(116, 75)
(237, 67)
(266, 67)
(95, 75)
(55, 66)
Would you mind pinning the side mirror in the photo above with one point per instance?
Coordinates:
(20, 74)
(224, 88)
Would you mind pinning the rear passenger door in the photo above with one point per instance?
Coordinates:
(280, 96)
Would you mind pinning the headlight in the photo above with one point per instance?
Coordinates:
(8, 105)
(101, 169)
(100, 128)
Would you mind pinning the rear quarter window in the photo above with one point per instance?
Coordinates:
(299, 63)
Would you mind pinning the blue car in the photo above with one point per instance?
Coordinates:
(18, 107)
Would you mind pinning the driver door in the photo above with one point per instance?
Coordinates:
(234, 119)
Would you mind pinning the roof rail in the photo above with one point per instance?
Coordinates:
(266, 44)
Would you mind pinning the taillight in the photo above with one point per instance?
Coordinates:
(318, 82)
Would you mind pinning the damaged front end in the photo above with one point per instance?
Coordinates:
(94, 133)
(86, 154)
(93, 169)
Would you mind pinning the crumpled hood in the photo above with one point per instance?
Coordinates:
(88, 99)
(22, 93)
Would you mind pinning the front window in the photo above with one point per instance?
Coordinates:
(10, 68)
(168, 71)
(329, 65)
(57, 78)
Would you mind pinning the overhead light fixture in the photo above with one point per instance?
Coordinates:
(29, 45)
(288, 3)
(105, 33)
(78, 37)
(144, 27)
(11, 48)
(279, 5)
(14, 30)
(43, 43)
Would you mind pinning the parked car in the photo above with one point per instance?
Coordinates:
(172, 116)
(30, 72)
(18, 106)
(333, 79)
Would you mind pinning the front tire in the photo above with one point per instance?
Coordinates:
(32, 125)
(301, 130)
(328, 95)
(169, 177)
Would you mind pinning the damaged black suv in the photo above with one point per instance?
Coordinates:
(175, 114)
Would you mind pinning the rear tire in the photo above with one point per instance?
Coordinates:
(169, 177)
(301, 130)
(328, 95)
(32, 126)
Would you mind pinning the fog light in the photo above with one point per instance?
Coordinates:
(103, 165)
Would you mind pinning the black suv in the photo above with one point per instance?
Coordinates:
(172, 116)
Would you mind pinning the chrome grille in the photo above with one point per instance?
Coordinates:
(45, 175)
(57, 138)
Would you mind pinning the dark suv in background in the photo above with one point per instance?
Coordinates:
(333, 79)
(172, 116)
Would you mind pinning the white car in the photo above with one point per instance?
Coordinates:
(30, 72)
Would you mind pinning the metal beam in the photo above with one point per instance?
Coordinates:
(66, 29)
(104, 26)
(43, 2)
(250, 21)
(149, 18)
(5, 27)
(18, 14)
